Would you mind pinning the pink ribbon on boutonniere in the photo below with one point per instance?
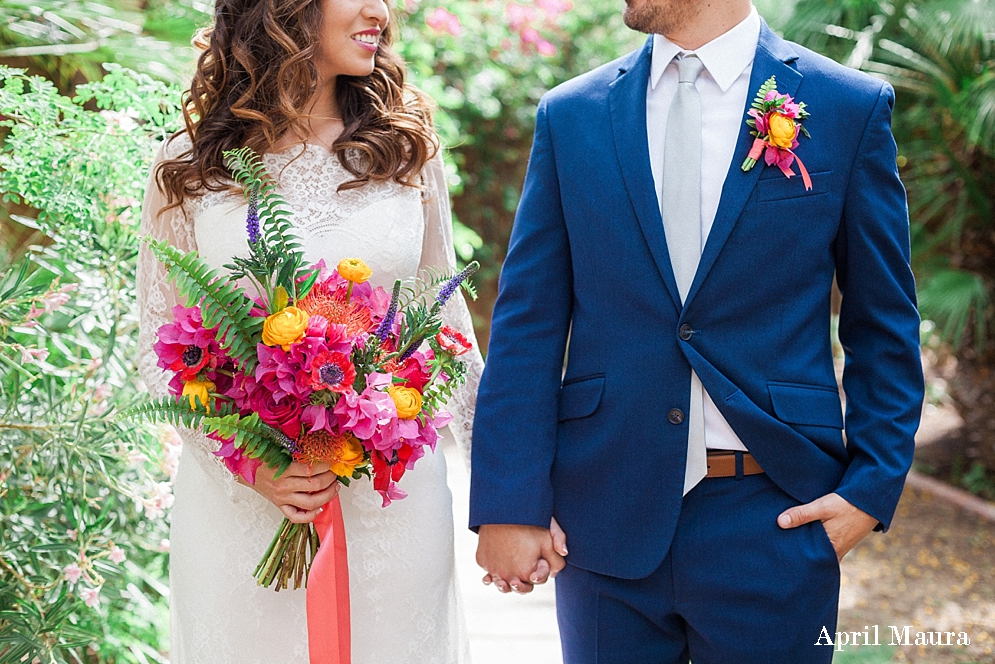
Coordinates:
(329, 631)
(776, 123)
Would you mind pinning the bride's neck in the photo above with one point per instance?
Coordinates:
(322, 120)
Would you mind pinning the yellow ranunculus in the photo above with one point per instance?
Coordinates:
(407, 400)
(781, 130)
(198, 389)
(285, 327)
(354, 270)
(350, 455)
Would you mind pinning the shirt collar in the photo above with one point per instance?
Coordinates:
(725, 57)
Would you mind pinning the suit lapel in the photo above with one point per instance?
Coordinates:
(774, 57)
(627, 104)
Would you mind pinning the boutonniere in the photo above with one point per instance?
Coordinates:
(776, 122)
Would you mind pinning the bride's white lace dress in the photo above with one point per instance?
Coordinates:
(404, 594)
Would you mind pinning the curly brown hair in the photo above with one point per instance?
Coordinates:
(253, 82)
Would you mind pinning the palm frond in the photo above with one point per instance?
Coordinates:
(951, 298)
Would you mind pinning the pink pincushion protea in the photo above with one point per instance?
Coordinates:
(185, 345)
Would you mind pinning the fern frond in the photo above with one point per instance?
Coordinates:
(169, 409)
(253, 436)
(174, 410)
(223, 304)
(248, 170)
(769, 84)
(415, 289)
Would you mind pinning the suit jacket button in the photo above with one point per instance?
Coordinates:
(675, 416)
(686, 332)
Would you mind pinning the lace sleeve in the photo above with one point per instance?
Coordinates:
(157, 297)
(438, 251)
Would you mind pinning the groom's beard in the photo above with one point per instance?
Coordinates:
(660, 17)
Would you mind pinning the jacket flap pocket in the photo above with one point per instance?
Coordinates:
(580, 397)
(813, 405)
(779, 187)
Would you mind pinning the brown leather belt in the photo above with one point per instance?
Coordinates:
(722, 463)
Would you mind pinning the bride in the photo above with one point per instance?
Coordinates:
(314, 87)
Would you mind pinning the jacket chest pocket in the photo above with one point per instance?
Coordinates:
(780, 188)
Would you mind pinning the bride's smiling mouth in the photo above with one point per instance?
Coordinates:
(368, 39)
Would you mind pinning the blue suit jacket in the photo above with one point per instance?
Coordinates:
(588, 261)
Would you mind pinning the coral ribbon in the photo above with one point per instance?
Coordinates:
(329, 632)
(758, 149)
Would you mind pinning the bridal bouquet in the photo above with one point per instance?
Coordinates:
(315, 366)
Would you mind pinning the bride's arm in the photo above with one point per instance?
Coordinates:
(438, 251)
(157, 296)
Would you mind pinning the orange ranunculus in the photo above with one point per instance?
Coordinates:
(407, 400)
(285, 327)
(198, 389)
(781, 131)
(354, 270)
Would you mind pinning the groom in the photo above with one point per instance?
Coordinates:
(660, 376)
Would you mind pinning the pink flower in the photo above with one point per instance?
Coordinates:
(415, 371)
(53, 301)
(117, 555)
(452, 341)
(163, 545)
(235, 460)
(532, 37)
(554, 8)
(90, 596)
(520, 16)
(332, 371)
(361, 414)
(72, 573)
(443, 21)
(72, 534)
(185, 345)
(277, 373)
(31, 355)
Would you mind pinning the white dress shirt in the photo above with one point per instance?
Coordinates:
(723, 87)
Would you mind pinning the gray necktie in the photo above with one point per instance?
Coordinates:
(681, 210)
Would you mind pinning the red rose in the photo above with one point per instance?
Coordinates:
(285, 415)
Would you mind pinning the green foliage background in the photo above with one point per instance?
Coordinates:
(75, 483)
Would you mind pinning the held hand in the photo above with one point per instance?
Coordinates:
(553, 546)
(300, 491)
(845, 524)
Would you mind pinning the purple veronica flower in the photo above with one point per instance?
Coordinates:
(252, 219)
(453, 284)
(388, 320)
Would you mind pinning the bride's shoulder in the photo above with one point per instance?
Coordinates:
(176, 146)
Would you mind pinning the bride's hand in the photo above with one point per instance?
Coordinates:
(300, 491)
(542, 571)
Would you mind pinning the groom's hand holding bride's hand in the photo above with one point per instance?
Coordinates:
(300, 491)
(520, 557)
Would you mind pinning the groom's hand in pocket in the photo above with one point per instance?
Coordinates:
(845, 524)
(300, 491)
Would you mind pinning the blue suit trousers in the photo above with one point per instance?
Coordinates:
(734, 588)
